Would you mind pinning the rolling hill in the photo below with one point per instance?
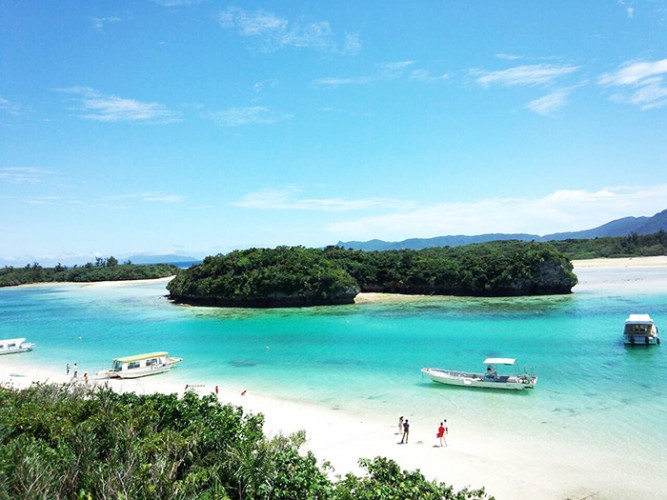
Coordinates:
(618, 227)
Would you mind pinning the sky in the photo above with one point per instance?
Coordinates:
(198, 127)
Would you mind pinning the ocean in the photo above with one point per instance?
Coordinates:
(595, 396)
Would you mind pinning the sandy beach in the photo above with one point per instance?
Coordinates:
(472, 458)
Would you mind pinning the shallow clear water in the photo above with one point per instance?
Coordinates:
(593, 391)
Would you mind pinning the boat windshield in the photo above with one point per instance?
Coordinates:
(117, 366)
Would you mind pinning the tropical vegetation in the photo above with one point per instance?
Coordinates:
(632, 245)
(298, 276)
(75, 442)
(103, 270)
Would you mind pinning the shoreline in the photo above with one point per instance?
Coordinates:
(508, 469)
(470, 459)
(509, 465)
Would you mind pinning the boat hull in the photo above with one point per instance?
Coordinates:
(142, 371)
(479, 380)
(641, 340)
(12, 347)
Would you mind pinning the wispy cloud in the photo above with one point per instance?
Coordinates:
(563, 210)
(148, 197)
(352, 44)
(508, 57)
(94, 105)
(341, 82)
(424, 76)
(176, 3)
(100, 22)
(289, 198)
(386, 71)
(22, 175)
(251, 115)
(550, 103)
(9, 107)
(273, 32)
(629, 9)
(526, 75)
(644, 81)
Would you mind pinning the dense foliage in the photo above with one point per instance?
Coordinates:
(496, 268)
(288, 276)
(633, 245)
(265, 277)
(103, 270)
(66, 442)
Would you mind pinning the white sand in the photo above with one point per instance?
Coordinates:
(659, 261)
(508, 469)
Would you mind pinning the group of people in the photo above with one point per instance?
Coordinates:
(404, 427)
(75, 374)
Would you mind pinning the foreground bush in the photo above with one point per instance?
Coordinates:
(62, 442)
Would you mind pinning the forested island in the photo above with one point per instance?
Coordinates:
(298, 276)
(103, 270)
(69, 441)
(632, 245)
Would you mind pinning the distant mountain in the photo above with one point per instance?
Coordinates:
(80, 260)
(618, 227)
(160, 259)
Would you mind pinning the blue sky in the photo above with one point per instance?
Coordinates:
(197, 127)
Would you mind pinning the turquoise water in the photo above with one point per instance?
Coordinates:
(365, 359)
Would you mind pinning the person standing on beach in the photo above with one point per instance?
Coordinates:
(400, 424)
(76, 370)
(441, 434)
(67, 369)
(406, 431)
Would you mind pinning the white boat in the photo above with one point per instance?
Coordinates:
(140, 365)
(9, 346)
(488, 380)
(640, 330)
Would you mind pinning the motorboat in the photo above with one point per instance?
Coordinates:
(140, 365)
(488, 380)
(640, 330)
(10, 346)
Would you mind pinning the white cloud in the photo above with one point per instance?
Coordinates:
(352, 44)
(340, 82)
(386, 71)
(508, 57)
(22, 175)
(9, 107)
(176, 3)
(100, 22)
(644, 81)
(634, 73)
(94, 105)
(424, 76)
(252, 115)
(148, 197)
(549, 104)
(564, 210)
(287, 198)
(527, 75)
(274, 32)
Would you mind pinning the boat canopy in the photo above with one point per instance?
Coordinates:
(639, 319)
(12, 341)
(499, 361)
(139, 357)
